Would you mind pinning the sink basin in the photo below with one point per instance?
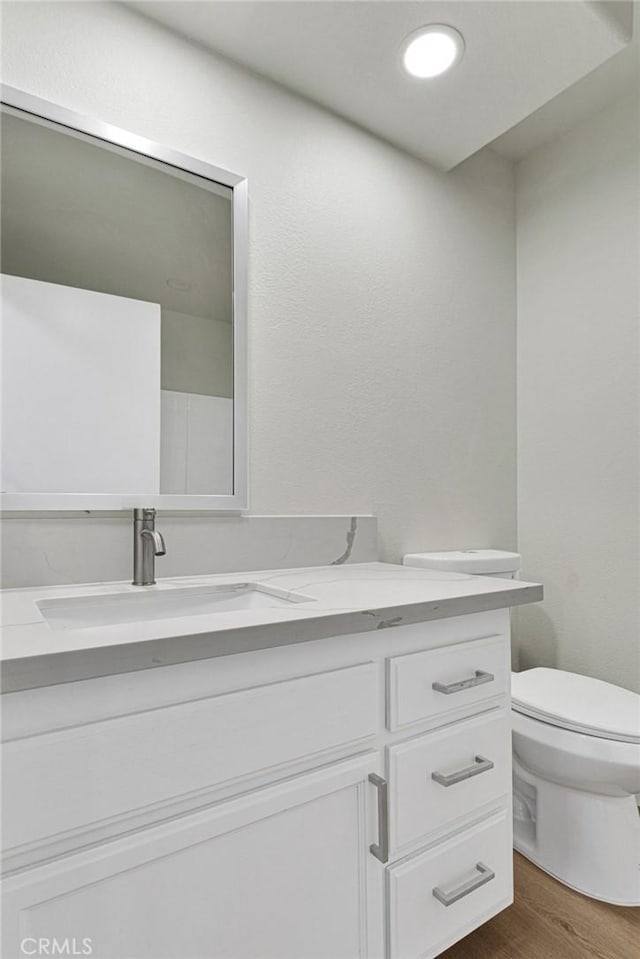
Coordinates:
(111, 609)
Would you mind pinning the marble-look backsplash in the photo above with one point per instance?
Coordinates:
(51, 549)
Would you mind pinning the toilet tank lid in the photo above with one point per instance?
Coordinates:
(579, 703)
(486, 561)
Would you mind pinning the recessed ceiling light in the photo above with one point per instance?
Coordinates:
(431, 50)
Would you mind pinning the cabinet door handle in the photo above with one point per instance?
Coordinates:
(448, 898)
(381, 849)
(478, 679)
(479, 765)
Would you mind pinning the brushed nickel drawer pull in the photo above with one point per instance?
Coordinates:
(480, 765)
(448, 898)
(478, 679)
(381, 849)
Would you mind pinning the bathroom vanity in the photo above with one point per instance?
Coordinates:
(304, 763)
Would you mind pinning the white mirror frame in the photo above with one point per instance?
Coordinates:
(238, 500)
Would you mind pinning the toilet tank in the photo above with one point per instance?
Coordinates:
(479, 562)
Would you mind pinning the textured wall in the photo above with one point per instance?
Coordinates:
(382, 293)
(578, 326)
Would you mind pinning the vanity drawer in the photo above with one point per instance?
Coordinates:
(446, 775)
(440, 682)
(439, 896)
(84, 776)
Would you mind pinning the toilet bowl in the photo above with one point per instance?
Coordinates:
(576, 774)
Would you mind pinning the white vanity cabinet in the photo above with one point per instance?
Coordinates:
(346, 797)
(282, 871)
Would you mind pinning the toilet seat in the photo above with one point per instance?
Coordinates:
(577, 703)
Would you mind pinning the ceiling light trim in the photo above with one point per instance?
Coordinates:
(428, 61)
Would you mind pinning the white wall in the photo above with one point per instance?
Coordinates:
(382, 293)
(578, 326)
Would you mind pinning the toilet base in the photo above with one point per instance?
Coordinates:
(587, 841)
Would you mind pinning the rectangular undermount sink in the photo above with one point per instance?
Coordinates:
(111, 609)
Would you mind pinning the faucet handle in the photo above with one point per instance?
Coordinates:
(145, 514)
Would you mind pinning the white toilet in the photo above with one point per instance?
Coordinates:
(576, 764)
(576, 779)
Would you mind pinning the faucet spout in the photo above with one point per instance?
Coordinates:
(147, 544)
(159, 548)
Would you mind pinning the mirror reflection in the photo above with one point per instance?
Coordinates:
(117, 318)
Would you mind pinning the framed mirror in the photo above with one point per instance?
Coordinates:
(123, 321)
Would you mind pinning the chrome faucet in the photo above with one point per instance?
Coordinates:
(147, 544)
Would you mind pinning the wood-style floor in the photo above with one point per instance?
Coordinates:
(550, 921)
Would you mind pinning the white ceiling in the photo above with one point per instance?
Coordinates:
(83, 214)
(345, 55)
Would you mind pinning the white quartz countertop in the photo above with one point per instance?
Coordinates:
(342, 600)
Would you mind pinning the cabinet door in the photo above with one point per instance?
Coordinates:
(284, 872)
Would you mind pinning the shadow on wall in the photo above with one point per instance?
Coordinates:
(537, 643)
